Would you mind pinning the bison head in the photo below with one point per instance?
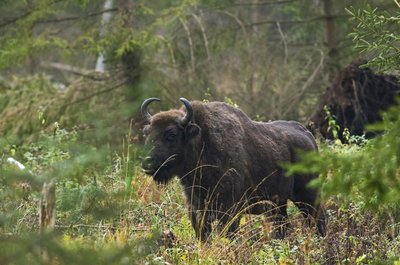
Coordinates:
(168, 135)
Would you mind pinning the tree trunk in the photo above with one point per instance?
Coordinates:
(330, 37)
(105, 18)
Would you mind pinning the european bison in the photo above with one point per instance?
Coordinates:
(356, 98)
(228, 164)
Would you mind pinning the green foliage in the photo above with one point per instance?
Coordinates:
(376, 35)
(368, 173)
(31, 105)
(25, 105)
(230, 102)
(333, 127)
(28, 249)
(72, 29)
(85, 203)
(18, 39)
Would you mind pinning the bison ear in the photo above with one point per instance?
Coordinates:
(191, 130)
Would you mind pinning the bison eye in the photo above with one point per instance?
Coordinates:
(171, 137)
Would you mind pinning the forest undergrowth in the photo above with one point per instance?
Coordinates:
(109, 212)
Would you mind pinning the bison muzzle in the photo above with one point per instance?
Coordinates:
(229, 165)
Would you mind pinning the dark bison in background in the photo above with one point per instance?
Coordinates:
(229, 164)
(356, 98)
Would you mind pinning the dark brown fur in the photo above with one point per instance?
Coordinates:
(229, 165)
(356, 98)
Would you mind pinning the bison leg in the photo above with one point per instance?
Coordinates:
(229, 224)
(305, 199)
(320, 217)
(317, 212)
(201, 224)
(234, 227)
(280, 220)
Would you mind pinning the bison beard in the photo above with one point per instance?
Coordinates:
(228, 164)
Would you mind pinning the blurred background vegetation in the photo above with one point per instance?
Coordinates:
(73, 74)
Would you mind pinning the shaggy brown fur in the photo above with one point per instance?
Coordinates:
(355, 98)
(230, 165)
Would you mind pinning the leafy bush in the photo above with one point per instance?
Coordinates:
(369, 173)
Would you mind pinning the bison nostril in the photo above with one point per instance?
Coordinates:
(148, 163)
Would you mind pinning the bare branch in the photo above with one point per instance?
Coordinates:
(65, 67)
(63, 19)
(190, 41)
(14, 20)
(296, 21)
(26, 14)
(109, 89)
(241, 24)
(57, 20)
(284, 42)
(204, 35)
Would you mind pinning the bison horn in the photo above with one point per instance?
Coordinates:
(189, 111)
(145, 113)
